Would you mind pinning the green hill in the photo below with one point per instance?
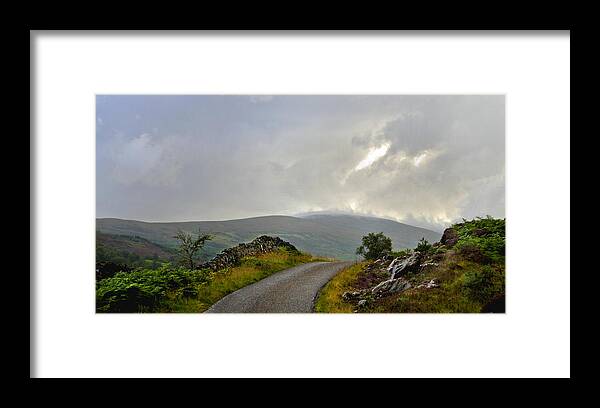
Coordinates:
(331, 235)
(129, 250)
(464, 272)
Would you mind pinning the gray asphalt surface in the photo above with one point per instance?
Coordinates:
(289, 291)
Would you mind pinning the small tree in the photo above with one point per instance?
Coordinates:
(188, 246)
(423, 246)
(374, 245)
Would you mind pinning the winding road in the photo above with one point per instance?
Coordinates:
(289, 291)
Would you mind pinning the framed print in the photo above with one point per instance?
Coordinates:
(250, 205)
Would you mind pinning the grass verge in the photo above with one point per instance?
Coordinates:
(330, 299)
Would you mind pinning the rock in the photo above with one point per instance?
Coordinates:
(429, 285)
(382, 287)
(432, 284)
(362, 303)
(390, 286)
(449, 238)
(399, 285)
(348, 296)
(392, 264)
(409, 264)
(232, 256)
(428, 264)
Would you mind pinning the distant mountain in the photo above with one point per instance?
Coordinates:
(333, 235)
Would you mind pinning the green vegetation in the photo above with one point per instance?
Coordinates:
(189, 246)
(470, 275)
(131, 251)
(403, 253)
(143, 290)
(465, 287)
(482, 236)
(423, 246)
(178, 289)
(482, 284)
(330, 296)
(374, 245)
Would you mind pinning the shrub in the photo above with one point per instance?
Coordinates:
(473, 253)
(189, 246)
(123, 297)
(423, 246)
(483, 284)
(188, 292)
(143, 289)
(482, 238)
(106, 269)
(374, 246)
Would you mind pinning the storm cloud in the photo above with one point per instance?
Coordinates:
(425, 160)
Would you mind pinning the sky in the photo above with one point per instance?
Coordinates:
(423, 160)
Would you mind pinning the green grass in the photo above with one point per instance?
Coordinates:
(470, 275)
(330, 299)
(458, 291)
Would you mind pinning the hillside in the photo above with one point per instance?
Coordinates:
(328, 235)
(138, 246)
(462, 273)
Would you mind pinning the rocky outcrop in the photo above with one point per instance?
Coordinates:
(232, 256)
(401, 267)
(449, 238)
(380, 290)
(414, 263)
(349, 296)
(390, 286)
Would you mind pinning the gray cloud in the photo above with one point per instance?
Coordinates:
(426, 160)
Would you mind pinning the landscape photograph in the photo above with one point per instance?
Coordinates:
(300, 204)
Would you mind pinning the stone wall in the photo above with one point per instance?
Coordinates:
(233, 256)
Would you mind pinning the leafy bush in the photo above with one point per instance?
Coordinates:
(485, 234)
(474, 253)
(188, 292)
(483, 284)
(143, 289)
(374, 245)
(106, 269)
(423, 246)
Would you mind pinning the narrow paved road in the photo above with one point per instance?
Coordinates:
(290, 291)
